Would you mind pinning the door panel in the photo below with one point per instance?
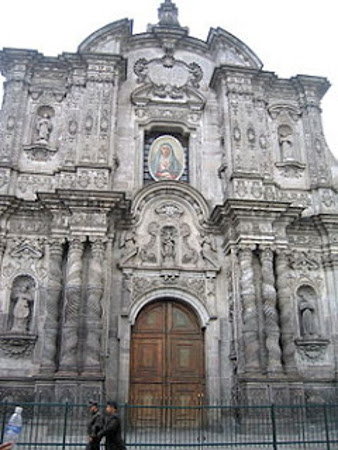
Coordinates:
(185, 358)
(147, 394)
(188, 396)
(167, 364)
(148, 359)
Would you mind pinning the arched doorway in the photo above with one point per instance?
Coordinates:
(167, 363)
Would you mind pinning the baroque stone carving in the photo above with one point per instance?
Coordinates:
(17, 346)
(142, 284)
(70, 338)
(269, 297)
(301, 260)
(312, 350)
(94, 307)
(285, 308)
(21, 305)
(41, 150)
(249, 312)
(55, 278)
(167, 78)
(19, 340)
(168, 244)
(308, 315)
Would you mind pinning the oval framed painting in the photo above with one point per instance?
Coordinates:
(166, 158)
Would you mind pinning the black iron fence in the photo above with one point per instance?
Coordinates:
(63, 426)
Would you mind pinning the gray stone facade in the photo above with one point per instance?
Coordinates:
(239, 220)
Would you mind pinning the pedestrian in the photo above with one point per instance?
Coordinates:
(94, 426)
(112, 428)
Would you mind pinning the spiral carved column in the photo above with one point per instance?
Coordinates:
(70, 338)
(52, 306)
(94, 308)
(249, 311)
(271, 325)
(286, 313)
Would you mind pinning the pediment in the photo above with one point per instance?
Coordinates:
(229, 50)
(26, 250)
(108, 38)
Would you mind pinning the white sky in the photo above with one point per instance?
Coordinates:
(290, 37)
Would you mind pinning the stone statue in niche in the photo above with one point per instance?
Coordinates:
(286, 144)
(168, 244)
(307, 313)
(44, 124)
(21, 305)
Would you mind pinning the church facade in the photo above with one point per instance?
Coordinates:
(169, 224)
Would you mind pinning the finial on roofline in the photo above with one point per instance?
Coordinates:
(168, 14)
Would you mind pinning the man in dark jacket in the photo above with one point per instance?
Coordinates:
(112, 428)
(94, 426)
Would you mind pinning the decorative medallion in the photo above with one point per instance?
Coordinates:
(166, 159)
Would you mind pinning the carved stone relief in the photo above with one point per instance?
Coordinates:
(24, 255)
(167, 78)
(169, 240)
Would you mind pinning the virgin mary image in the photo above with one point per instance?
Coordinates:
(164, 164)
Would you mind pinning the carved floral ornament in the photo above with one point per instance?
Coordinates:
(168, 79)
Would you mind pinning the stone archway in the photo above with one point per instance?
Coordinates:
(167, 364)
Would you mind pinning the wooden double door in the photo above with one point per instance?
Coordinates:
(167, 365)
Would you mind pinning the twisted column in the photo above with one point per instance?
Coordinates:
(2, 250)
(269, 296)
(94, 308)
(70, 338)
(249, 311)
(52, 306)
(286, 312)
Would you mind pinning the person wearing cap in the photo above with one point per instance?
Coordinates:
(112, 428)
(94, 426)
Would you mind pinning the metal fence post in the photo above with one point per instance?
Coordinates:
(65, 420)
(4, 418)
(326, 428)
(126, 420)
(273, 424)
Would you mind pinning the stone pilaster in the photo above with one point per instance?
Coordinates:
(269, 296)
(286, 313)
(93, 315)
(249, 311)
(70, 337)
(52, 306)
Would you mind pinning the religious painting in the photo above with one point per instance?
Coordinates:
(166, 159)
